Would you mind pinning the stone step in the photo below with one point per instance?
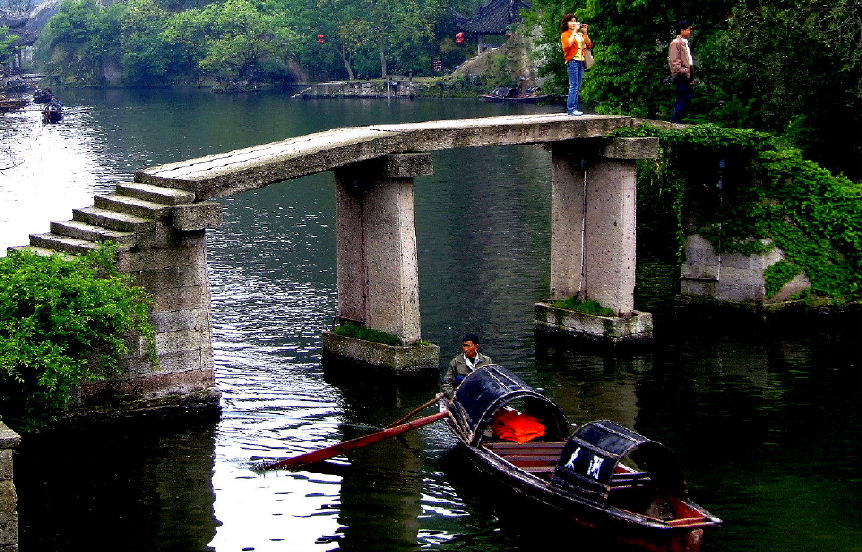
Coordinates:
(113, 220)
(63, 244)
(39, 251)
(156, 194)
(133, 206)
(85, 231)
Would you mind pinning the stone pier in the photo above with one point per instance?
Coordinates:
(378, 268)
(593, 238)
(9, 441)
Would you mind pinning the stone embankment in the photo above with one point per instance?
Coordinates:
(8, 498)
(393, 88)
(160, 232)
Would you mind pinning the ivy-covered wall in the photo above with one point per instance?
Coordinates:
(737, 187)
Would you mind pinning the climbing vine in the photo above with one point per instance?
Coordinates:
(746, 192)
(63, 322)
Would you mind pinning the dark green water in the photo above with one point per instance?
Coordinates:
(766, 420)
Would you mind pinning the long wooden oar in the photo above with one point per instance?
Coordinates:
(341, 448)
(409, 415)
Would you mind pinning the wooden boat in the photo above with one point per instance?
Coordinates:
(7, 104)
(52, 112)
(603, 476)
(42, 95)
(504, 94)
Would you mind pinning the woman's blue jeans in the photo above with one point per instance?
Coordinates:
(576, 79)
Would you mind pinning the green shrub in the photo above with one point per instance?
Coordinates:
(768, 192)
(358, 331)
(63, 322)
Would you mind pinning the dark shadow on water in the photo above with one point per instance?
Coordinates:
(381, 489)
(142, 483)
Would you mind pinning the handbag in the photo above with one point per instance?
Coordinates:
(589, 60)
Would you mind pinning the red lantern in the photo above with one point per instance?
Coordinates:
(460, 38)
(321, 38)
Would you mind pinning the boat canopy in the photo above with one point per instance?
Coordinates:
(486, 391)
(589, 462)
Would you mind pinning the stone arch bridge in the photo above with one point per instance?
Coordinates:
(160, 221)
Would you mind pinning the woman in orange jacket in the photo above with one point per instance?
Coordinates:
(575, 41)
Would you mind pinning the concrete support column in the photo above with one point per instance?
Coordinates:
(378, 270)
(9, 441)
(593, 225)
(568, 208)
(610, 230)
(593, 220)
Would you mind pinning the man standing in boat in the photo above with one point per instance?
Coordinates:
(470, 359)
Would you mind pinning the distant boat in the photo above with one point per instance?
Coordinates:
(505, 94)
(52, 112)
(42, 95)
(7, 104)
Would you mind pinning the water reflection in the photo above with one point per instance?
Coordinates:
(134, 485)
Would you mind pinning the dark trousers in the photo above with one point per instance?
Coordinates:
(684, 94)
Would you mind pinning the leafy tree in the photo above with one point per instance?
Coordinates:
(79, 40)
(7, 43)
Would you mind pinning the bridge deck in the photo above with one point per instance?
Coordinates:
(228, 173)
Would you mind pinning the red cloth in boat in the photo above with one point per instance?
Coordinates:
(517, 426)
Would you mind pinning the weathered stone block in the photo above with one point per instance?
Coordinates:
(186, 319)
(701, 262)
(736, 278)
(192, 297)
(172, 277)
(137, 391)
(182, 340)
(166, 236)
(154, 259)
(612, 330)
(8, 438)
(408, 165)
(9, 532)
(630, 148)
(406, 359)
(8, 498)
(5, 464)
(791, 288)
(182, 361)
(198, 216)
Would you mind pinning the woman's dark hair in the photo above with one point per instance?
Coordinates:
(564, 25)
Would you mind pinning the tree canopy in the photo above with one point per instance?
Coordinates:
(791, 69)
(230, 41)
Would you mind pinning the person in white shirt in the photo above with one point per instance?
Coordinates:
(682, 70)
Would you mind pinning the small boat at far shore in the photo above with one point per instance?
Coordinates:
(505, 94)
(9, 104)
(603, 477)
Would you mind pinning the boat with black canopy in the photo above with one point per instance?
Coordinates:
(603, 476)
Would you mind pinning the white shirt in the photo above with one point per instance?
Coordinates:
(687, 51)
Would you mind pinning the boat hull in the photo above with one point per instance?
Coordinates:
(623, 527)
